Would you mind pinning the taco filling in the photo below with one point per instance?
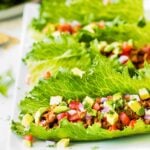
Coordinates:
(114, 112)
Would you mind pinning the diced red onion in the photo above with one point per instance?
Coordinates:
(103, 99)
(135, 97)
(88, 117)
(72, 112)
(105, 110)
(147, 117)
(75, 23)
(123, 59)
(81, 108)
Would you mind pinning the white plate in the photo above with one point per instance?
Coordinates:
(15, 143)
(12, 11)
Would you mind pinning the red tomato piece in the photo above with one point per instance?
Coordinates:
(75, 105)
(132, 123)
(28, 137)
(47, 75)
(124, 118)
(126, 47)
(75, 29)
(113, 127)
(96, 106)
(101, 24)
(65, 28)
(62, 115)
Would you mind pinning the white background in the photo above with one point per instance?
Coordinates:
(8, 60)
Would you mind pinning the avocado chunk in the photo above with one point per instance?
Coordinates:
(102, 45)
(55, 100)
(62, 143)
(39, 113)
(117, 96)
(88, 101)
(49, 28)
(144, 94)
(112, 117)
(78, 72)
(26, 120)
(109, 104)
(92, 112)
(108, 48)
(28, 143)
(60, 109)
(136, 107)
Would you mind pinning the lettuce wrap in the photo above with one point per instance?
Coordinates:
(56, 10)
(96, 83)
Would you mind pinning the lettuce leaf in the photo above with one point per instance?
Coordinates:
(6, 80)
(122, 32)
(63, 51)
(100, 80)
(77, 132)
(55, 10)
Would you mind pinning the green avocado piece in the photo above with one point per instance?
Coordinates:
(39, 113)
(144, 94)
(26, 120)
(112, 118)
(109, 48)
(63, 143)
(88, 101)
(136, 107)
(92, 112)
(117, 96)
(141, 111)
(60, 109)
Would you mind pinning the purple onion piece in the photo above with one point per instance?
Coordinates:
(72, 112)
(81, 107)
(147, 117)
(88, 117)
(105, 110)
(103, 99)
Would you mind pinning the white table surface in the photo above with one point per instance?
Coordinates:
(8, 61)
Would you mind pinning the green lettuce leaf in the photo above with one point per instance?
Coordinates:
(54, 10)
(63, 51)
(120, 33)
(144, 72)
(100, 80)
(77, 132)
(6, 80)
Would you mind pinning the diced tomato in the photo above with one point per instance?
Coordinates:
(75, 29)
(132, 123)
(28, 138)
(101, 24)
(126, 48)
(65, 28)
(75, 105)
(96, 106)
(124, 118)
(47, 75)
(74, 117)
(113, 127)
(62, 115)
